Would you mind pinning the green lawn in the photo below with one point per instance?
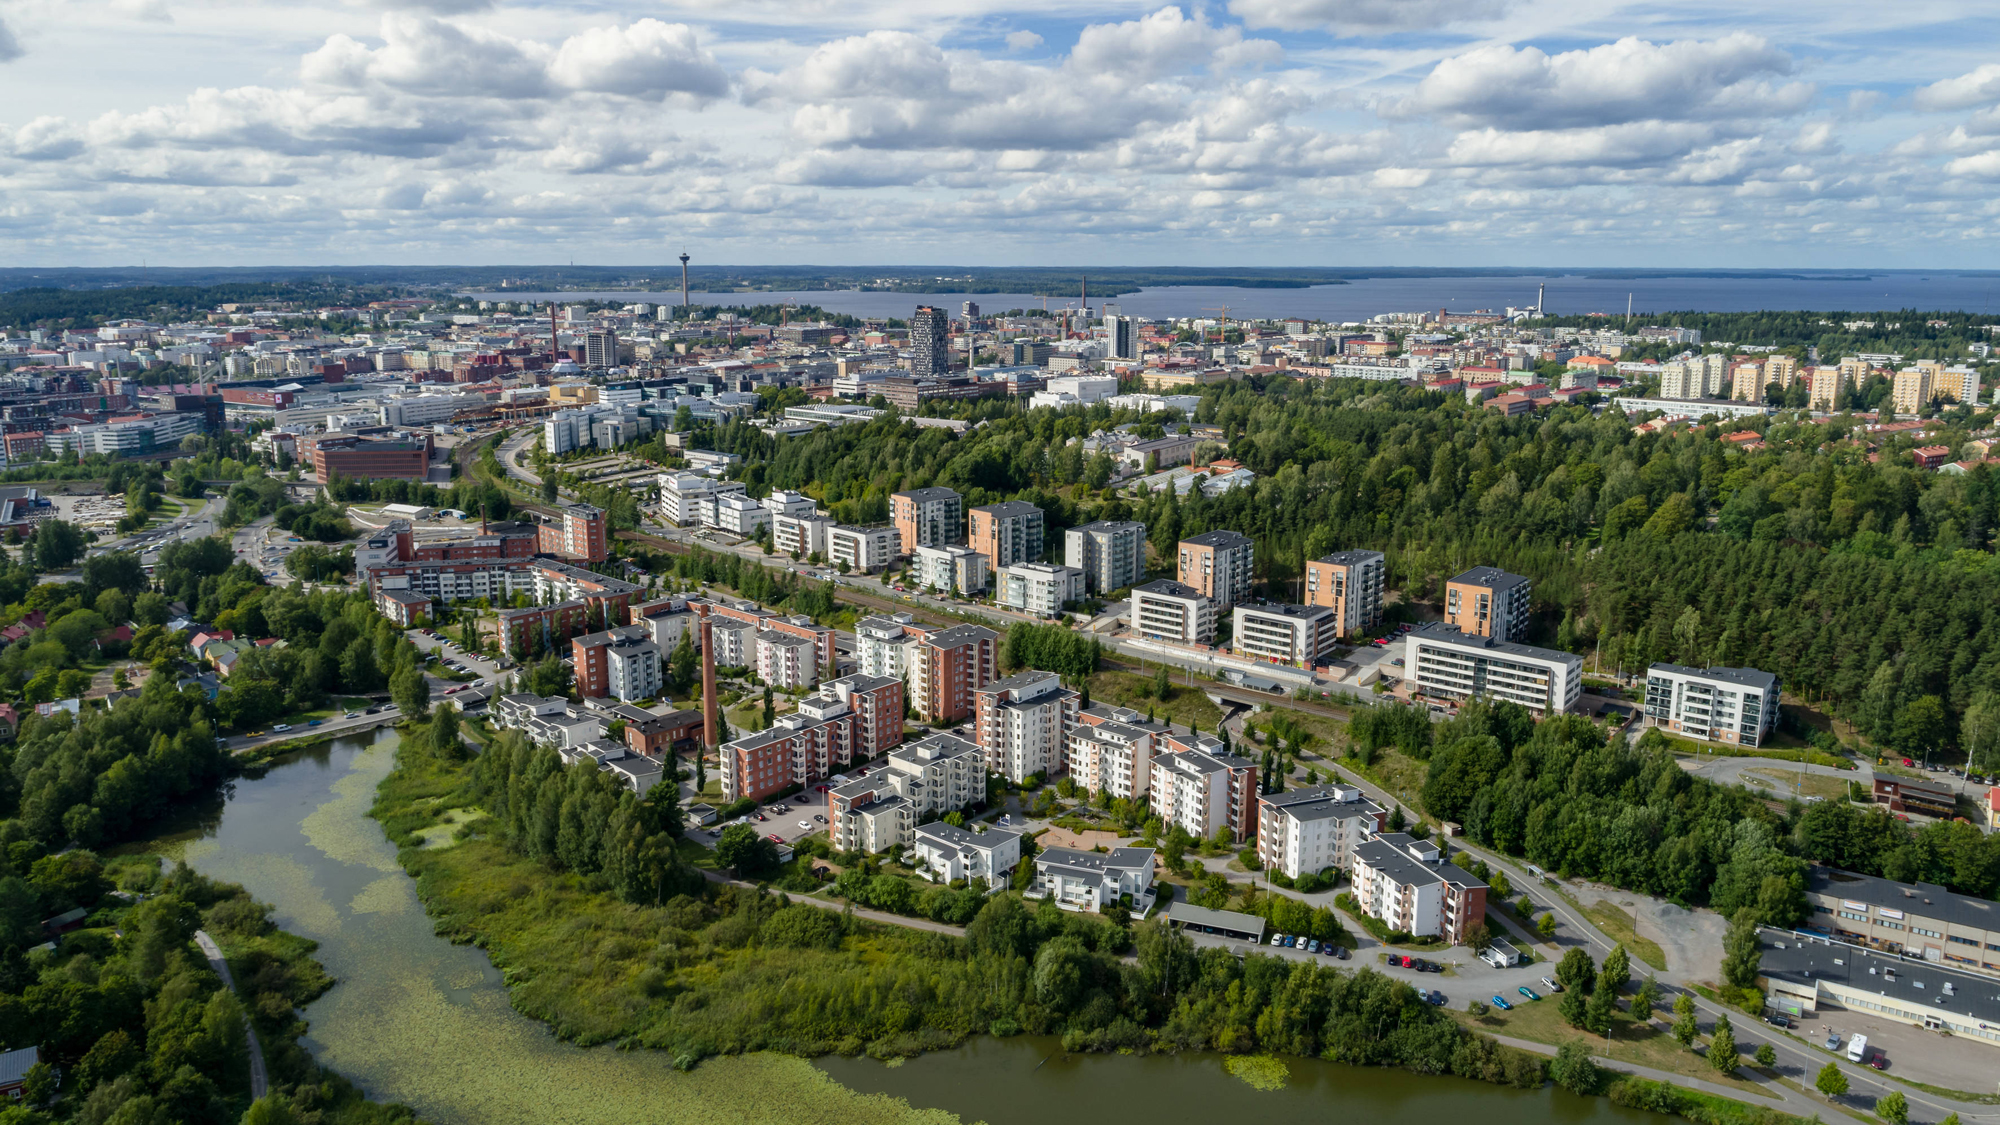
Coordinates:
(1128, 689)
(1623, 928)
(1541, 1021)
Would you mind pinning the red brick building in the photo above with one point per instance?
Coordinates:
(579, 535)
(951, 666)
(402, 459)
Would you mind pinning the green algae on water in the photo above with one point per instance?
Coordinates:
(1261, 1072)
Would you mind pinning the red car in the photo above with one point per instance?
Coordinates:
(1878, 1062)
(454, 690)
(775, 838)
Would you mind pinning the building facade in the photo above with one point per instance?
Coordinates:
(1022, 724)
(944, 853)
(1166, 610)
(1091, 881)
(1006, 534)
(937, 775)
(928, 517)
(953, 568)
(863, 549)
(1350, 584)
(1110, 553)
(1306, 831)
(1302, 635)
(1442, 663)
(949, 666)
(1488, 602)
(1738, 705)
(1205, 789)
(1405, 884)
(1038, 588)
(1218, 565)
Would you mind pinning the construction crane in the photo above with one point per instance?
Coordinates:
(1222, 333)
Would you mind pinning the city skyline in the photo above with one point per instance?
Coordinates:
(1260, 132)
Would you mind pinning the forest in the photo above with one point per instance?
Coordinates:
(1908, 332)
(52, 308)
(1866, 585)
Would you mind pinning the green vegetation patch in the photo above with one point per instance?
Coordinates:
(1259, 1072)
(1622, 928)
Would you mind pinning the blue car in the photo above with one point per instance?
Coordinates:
(1529, 993)
(1501, 1003)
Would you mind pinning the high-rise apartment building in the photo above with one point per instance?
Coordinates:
(1121, 337)
(1165, 610)
(579, 535)
(1305, 831)
(1738, 705)
(1350, 584)
(1023, 722)
(928, 517)
(1912, 391)
(1823, 391)
(936, 775)
(1110, 553)
(600, 348)
(949, 666)
(1201, 789)
(930, 343)
(1440, 662)
(1006, 533)
(1217, 565)
(1488, 602)
(1782, 370)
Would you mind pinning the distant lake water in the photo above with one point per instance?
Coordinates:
(1568, 295)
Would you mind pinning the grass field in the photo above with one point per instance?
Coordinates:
(1128, 689)
(1641, 1045)
(1621, 927)
(1395, 771)
(1786, 782)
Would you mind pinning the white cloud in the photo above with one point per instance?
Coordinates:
(1629, 80)
(152, 11)
(1978, 88)
(1363, 17)
(1023, 40)
(647, 59)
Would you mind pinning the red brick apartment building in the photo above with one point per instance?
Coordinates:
(401, 459)
(579, 536)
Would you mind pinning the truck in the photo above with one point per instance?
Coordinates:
(1857, 1049)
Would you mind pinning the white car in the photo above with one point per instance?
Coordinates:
(806, 824)
(281, 728)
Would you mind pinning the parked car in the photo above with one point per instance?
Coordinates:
(806, 824)
(281, 728)
(1552, 986)
(1832, 1041)
(819, 818)
(761, 816)
(312, 722)
(1530, 993)
(1277, 939)
(1436, 998)
(1340, 952)
(1291, 941)
(1778, 1021)
(1501, 1003)
(1878, 1061)
(1312, 946)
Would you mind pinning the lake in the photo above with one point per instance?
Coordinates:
(418, 1020)
(1568, 294)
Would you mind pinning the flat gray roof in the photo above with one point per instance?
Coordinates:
(1918, 984)
(1490, 576)
(1219, 539)
(1742, 677)
(1926, 899)
(1188, 914)
(1167, 587)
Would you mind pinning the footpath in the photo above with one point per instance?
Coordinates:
(259, 1079)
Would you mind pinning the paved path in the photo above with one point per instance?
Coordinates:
(1793, 1101)
(259, 1081)
(859, 912)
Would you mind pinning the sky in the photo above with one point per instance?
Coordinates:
(1697, 133)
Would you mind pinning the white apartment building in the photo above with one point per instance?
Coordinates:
(683, 494)
(1110, 553)
(1203, 790)
(943, 853)
(1038, 588)
(863, 549)
(1441, 662)
(801, 535)
(633, 670)
(1303, 635)
(735, 642)
(736, 514)
(1091, 881)
(1165, 610)
(1021, 722)
(1112, 756)
(877, 812)
(886, 646)
(783, 503)
(951, 567)
(1305, 831)
(787, 661)
(1405, 884)
(1738, 705)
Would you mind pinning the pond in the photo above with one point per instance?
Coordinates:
(418, 1020)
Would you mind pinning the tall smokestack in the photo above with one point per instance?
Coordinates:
(709, 729)
(552, 332)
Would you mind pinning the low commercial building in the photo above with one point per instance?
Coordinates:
(1908, 919)
(944, 853)
(1736, 705)
(1202, 790)
(1301, 635)
(1443, 663)
(1916, 795)
(1806, 974)
(1165, 610)
(1091, 881)
(1306, 831)
(1405, 884)
(1039, 588)
(366, 459)
(1021, 723)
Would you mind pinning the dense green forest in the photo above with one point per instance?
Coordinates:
(1908, 332)
(52, 308)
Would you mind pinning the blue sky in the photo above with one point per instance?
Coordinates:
(1245, 132)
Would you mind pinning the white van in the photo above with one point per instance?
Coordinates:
(1857, 1049)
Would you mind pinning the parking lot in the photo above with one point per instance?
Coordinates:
(807, 816)
(487, 669)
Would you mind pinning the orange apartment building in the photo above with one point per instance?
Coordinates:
(1007, 534)
(950, 667)
(1350, 584)
(928, 517)
(1488, 602)
(1217, 565)
(580, 535)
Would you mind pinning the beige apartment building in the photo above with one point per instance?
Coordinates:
(1488, 602)
(1217, 565)
(1350, 584)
